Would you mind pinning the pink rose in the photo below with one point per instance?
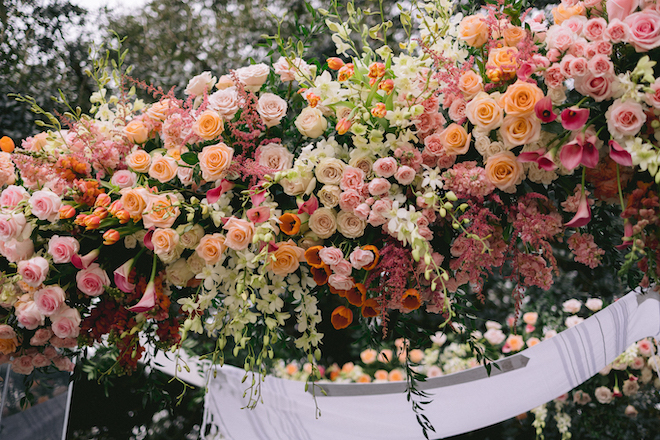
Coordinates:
(92, 281)
(578, 67)
(331, 255)
(595, 28)
(379, 186)
(654, 99)
(602, 47)
(287, 70)
(63, 363)
(62, 248)
(49, 299)
(386, 166)
(341, 282)
(11, 226)
(433, 143)
(560, 38)
(405, 175)
(40, 361)
(625, 118)
(29, 315)
(575, 23)
(565, 65)
(342, 268)
(457, 111)
(66, 323)
(13, 195)
(50, 352)
(271, 108)
(45, 205)
(226, 102)
(601, 65)
(579, 48)
(644, 29)
(553, 76)
(617, 31)
(15, 251)
(239, 233)
(362, 211)
(599, 88)
(124, 179)
(22, 365)
(185, 175)
(33, 271)
(253, 76)
(553, 55)
(58, 342)
(41, 336)
(360, 258)
(620, 9)
(352, 178)
(275, 157)
(350, 199)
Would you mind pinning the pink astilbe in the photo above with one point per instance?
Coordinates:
(585, 250)
(467, 180)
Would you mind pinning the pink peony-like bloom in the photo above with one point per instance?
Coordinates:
(33, 271)
(92, 280)
(41, 337)
(342, 268)
(601, 65)
(62, 248)
(386, 166)
(341, 282)
(625, 118)
(13, 195)
(553, 76)
(362, 211)
(66, 323)
(405, 175)
(352, 178)
(379, 186)
(124, 179)
(617, 31)
(331, 255)
(49, 299)
(574, 118)
(644, 29)
(360, 258)
(45, 205)
(350, 199)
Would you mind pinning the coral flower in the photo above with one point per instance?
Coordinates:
(370, 308)
(410, 300)
(543, 110)
(110, 237)
(619, 154)
(581, 150)
(290, 224)
(574, 118)
(343, 125)
(313, 258)
(341, 317)
(7, 144)
(583, 214)
(373, 249)
(321, 274)
(335, 63)
(357, 295)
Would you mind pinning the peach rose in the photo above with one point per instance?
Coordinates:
(349, 225)
(502, 63)
(504, 171)
(8, 340)
(287, 258)
(323, 222)
(275, 157)
(562, 13)
(515, 342)
(208, 125)
(520, 130)
(484, 112)
(271, 108)
(139, 160)
(520, 98)
(211, 247)
(164, 240)
(134, 200)
(470, 83)
(513, 35)
(161, 211)
(163, 168)
(214, 160)
(455, 140)
(473, 30)
(239, 233)
(136, 132)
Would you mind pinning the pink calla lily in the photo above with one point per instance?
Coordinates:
(619, 154)
(84, 262)
(122, 274)
(258, 196)
(547, 161)
(311, 205)
(531, 156)
(259, 214)
(147, 240)
(148, 300)
(583, 214)
(543, 110)
(574, 118)
(213, 195)
(580, 150)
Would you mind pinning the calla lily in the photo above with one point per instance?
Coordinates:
(581, 150)
(122, 274)
(583, 214)
(531, 156)
(574, 118)
(84, 262)
(543, 110)
(148, 300)
(258, 196)
(259, 214)
(619, 154)
(147, 240)
(213, 195)
(311, 205)
(547, 161)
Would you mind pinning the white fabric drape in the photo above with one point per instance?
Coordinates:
(462, 402)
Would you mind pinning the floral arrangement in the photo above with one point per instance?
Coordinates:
(379, 182)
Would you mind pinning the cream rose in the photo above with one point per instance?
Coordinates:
(329, 171)
(179, 273)
(520, 130)
(311, 123)
(164, 240)
(470, 83)
(271, 108)
(297, 185)
(484, 112)
(200, 83)
(225, 102)
(275, 157)
(214, 160)
(473, 30)
(253, 76)
(329, 195)
(349, 225)
(323, 222)
(190, 238)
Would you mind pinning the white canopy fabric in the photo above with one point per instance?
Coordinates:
(462, 402)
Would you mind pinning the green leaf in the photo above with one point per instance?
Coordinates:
(190, 158)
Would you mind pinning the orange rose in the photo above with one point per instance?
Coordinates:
(161, 211)
(484, 112)
(455, 139)
(164, 240)
(162, 168)
(214, 161)
(139, 160)
(470, 83)
(239, 233)
(515, 342)
(502, 64)
(287, 258)
(211, 247)
(520, 98)
(562, 13)
(473, 30)
(513, 35)
(520, 130)
(136, 132)
(208, 126)
(160, 110)
(8, 340)
(134, 200)
(504, 171)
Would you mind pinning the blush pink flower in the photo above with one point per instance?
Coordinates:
(29, 315)
(122, 275)
(625, 118)
(386, 166)
(148, 300)
(583, 214)
(13, 195)
(617, 31)
(644, 29)
(379, 186)
(352, 178)
(405, 175)
(92, 280)
(45, 205)
(41, 337)
(49, 299)
(543, 110)
(62, 248)
(124, 179)
(594, 28)
(620, 155)
(599, 88)
(259, 214)
(360, 258)
(331, 255)
(66, 323)
(33, 271)
(620, 9)
(12, 226)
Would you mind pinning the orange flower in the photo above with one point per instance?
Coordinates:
(341, 317)
(312, 257)
(335, 63)
(111, 236)
(370, 308)
(7, 144)
(381, 375)
(455, 139)
(363, 378)
(321, 274)
(287, 258)
(357, 295)
(290, 224)
(373, 249)
(410, 300)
